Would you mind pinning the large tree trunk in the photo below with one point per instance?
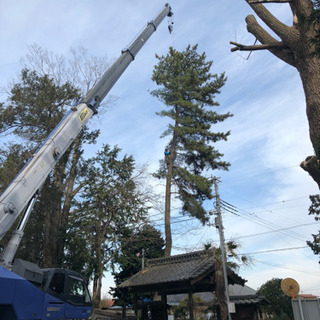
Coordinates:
(297, 49)
(95, 288)
(99, 267)
(56, 217)
(51, 230)
(53, 216)
(69, 194)
(308, 65)
(167, 211)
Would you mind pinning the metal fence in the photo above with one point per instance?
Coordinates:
(308, 309)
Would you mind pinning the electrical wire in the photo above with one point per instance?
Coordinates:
(274, 250)
(310, 272)
(235, 181)
(263, 222)
(272, 231)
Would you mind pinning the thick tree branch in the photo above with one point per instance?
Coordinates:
(294, 14)
(289, 35)
(265, 38)
(303, 7)
(242, 47)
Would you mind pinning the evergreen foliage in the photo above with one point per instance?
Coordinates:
(108, 202)
(181, 311)
(35, 105)
(314, 209)
(48, 86)
(280, 305)
(188, 89)
(146, 243)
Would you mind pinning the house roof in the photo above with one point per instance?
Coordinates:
(245, 295)
(193, 271)
(306, 296)
(237, 293)
(254, 299)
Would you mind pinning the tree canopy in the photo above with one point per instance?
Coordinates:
(35, 105)
(108, 202)
(48, 86)
(314, 209)
(188, 88)
(280, 305)
(146, 243)
(55, 235)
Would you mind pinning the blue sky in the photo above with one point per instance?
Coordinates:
(269, 130)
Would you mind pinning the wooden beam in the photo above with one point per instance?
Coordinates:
(164, 311)
(190, 303)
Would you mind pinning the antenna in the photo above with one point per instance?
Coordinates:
(290, 287)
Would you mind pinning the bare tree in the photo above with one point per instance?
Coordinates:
(81, 70)
(297, 46)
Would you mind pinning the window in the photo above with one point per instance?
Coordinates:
(57, 283)
(77, 291)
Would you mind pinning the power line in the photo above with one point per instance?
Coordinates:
(274, 250)
(258, 206)
(277, 202)
(275, 209)
(234, 181)
(265, 223)
(310, 272)
(254, 220)
(278, 209)
(267, 232)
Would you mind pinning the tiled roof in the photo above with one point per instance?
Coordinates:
(178, 268)
(236, 290)
(254, 299)
(238, 294)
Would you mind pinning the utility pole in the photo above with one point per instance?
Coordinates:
(142, 264)
(222, 244)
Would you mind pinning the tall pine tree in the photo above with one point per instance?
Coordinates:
(188, 88)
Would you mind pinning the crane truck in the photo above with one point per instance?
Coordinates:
(27, 291)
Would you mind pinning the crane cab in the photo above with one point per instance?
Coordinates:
(42, 294)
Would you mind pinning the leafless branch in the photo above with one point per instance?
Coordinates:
(242, 47)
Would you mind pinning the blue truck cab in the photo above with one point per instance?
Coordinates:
(30, 293)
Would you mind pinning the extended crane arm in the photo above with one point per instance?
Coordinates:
(33, 175)
(98, 93)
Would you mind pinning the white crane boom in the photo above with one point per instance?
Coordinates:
(26, 184)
